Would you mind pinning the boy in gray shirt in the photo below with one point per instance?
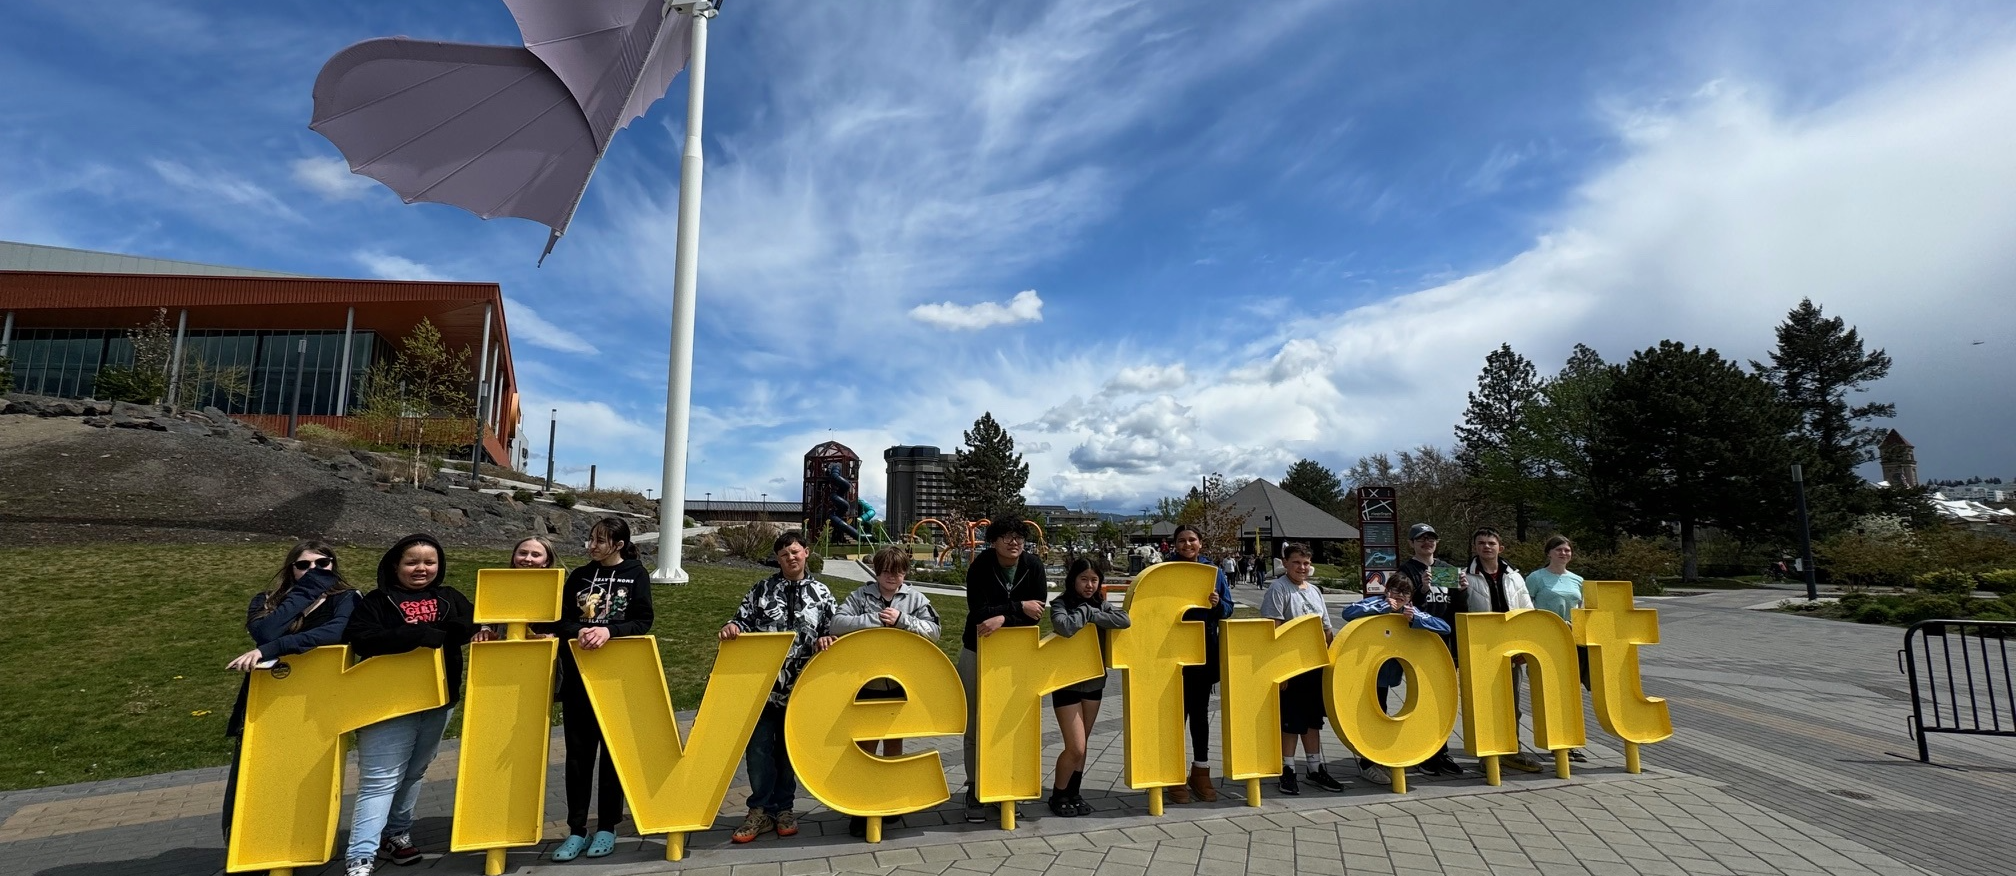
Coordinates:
(1287, 598)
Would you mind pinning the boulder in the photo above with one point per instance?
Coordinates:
(450, 516)
(180, 427)
(61, 407)
(97, 422)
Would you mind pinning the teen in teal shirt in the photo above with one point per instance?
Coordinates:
(1555, 588)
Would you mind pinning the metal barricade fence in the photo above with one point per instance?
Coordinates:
(1960, 679)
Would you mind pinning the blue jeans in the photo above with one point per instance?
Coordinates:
(392, 757)
(772, 784)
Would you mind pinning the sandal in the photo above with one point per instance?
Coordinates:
(605, 842)
(570, 849)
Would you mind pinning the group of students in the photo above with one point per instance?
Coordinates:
(310, 604)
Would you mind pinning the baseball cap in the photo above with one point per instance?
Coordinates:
(1420, 529)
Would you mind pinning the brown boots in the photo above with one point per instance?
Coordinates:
(1178, 793)
(1200, 786)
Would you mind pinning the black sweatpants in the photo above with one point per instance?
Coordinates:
(1197, 684)
(587, 760)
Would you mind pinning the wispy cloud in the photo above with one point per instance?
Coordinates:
(528, 325)
(331, 178)
(1026, 306)
(386, 266)
(215, 187)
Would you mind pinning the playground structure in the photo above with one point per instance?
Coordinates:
(963, 546)
(833, 507)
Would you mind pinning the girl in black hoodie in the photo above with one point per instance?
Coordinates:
(608, 597)
(411, 609)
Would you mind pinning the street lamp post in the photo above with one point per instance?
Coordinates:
(1805, 534)
(552, 428)
(300, 370)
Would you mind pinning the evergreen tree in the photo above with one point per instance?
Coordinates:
(987, 474)
(1690, 438)
(1311, 482)
(1495, 440)
(1563, 424)
(1818, 362)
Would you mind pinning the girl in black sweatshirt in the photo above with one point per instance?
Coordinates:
(608, 597)
(411, 609)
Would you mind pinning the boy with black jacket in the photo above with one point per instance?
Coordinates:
(1432, 577)
(608, 597)
(1005, 587)
(411, 609)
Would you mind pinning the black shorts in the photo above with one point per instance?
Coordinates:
(894, 692)
(1302, 702)
(1079, 693)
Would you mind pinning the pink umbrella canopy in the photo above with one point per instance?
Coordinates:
(502, 130)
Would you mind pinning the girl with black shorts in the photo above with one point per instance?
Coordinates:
(1082, 605)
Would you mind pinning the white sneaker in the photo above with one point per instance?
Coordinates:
(359, 866)
(1375, 774)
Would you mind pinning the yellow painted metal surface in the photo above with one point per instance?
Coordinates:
(1612, 630)
(825, 721)
(1016, 670)
(1152, 653)
(290, 778)
(1424, 720)
(1258, 657)
(500, 781)
(676, 784)
(1486, 643)
(519, 595)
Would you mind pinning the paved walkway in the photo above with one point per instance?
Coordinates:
(1790, 758)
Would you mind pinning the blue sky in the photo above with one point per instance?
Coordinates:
(1154, 238)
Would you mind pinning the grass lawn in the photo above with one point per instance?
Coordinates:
(122, 674)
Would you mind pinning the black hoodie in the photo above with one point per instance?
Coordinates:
(992, 592)
(393, 619)
(617, 597)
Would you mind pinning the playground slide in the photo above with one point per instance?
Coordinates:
(843, 505)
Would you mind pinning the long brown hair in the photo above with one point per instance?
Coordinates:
(283, 580)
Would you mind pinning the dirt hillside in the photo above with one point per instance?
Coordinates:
(80, 472)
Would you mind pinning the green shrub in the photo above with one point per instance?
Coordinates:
(564, 500)
(6, 375)
(1636, 560)
(1945, 581)
(122, 383)
(524, 496)
(1859, 560)
(1648, 587)
(1968, 551)
(1854, 599)
(1872, 613)
(1999, 581)
(750, 541)
(1918, 607)
(319, 434)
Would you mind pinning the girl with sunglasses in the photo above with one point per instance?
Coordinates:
(307, 605)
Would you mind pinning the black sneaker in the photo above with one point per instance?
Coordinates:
(1288, 784)
(1321, 779)
(399, 847)
(1442, 765)
(976, 812)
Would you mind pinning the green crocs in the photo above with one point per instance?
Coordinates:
(570, 849)
(605, 842)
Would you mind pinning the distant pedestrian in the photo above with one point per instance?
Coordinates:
(307, 605)
(1493, 585)
(411, 608)
(607, 597)
(791, 601)
(1287, 598)
(888, 601)
(1083, 604)
(1198, 680)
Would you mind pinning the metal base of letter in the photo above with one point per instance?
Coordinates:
(493, 862)
(1561, 763)
(1491, 776)
(1252, 792)
(1631, 764)
(875, 827)
(675, 846)
(1399, 779)
(1155, 800)
(1007, 808)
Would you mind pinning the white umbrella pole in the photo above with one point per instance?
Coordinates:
(685, 273)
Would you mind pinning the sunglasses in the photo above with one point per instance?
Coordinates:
(319, 563)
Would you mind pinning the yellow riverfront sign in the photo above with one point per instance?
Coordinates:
(290, 781)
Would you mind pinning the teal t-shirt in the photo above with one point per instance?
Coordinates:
(1559, 594)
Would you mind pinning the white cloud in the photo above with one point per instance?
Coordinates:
(1149, 378)
(222, 188)
(529, 326)
(1026, 306)
(386, 266)
(1892, 208)
(331, 178)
